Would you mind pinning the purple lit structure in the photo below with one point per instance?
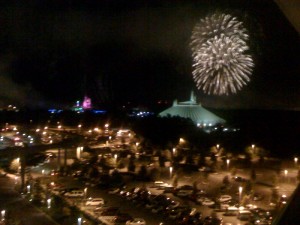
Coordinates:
(87, 103)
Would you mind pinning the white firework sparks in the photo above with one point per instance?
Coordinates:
(219, 50)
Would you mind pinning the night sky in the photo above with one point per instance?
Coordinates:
(55, 52)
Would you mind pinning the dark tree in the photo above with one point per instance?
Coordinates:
(253, 175)
(142, 174)
(226, 180)
(131, 166)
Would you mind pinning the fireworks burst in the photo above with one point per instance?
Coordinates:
(219, 49)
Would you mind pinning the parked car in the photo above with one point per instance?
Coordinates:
(62, 191)
(173, 204)
(183, 193)
(136, 221)
(169, 189)
(185, 187)
(191, 219)
(122, 218)
(212, 220)
(230, 213)
(224, 198)
(100, 209)
(221, 207)
(94, 201)
(110, 211)
(114, 190)
(244, 215)
(174, 214)
(239, 179)
(157, 209)
(74, 193)
(257, 197)
(283, 199)
(208, 202)
(206, 169)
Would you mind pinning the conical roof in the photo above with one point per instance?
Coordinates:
(192, 110)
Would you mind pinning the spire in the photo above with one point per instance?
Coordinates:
(193, 98)
(175, 102)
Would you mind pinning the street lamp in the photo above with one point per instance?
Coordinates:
(218, 146)
(78, 152)
(116, 159)
(171, 170)
(227, 163)
(285, 174)
(181, 141)
(3, 215)
(85, 192)
(28, 188)
(174, 151)
(49, 203)
(296, 161)
(240, 194)
(79, 220)
(16, 180)
(106, 128)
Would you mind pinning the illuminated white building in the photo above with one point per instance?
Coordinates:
(194, 111)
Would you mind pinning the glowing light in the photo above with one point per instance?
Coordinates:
(3, 215)
(49, 203)
(227, 163)
(220, 60)
(79, 220)
(181, 140)
(174, 151)
(240, 193)
(87, 103)
(85, 192)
